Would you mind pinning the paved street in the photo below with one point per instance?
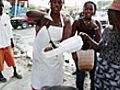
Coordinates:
(27, 36)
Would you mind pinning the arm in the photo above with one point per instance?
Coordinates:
(67, 28)
(98, 31)
(35, 14)
(74, 26)
(90, 41)
(94, 24)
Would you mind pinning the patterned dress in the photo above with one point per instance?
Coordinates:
(107, 76)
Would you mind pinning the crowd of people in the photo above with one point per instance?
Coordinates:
(52, 27)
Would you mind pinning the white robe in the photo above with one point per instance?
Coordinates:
(47, 71)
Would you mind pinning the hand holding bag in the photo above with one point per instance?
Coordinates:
(12, 43)
(85, 59)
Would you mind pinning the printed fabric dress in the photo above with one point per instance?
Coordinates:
(107, 76)
(47, 71)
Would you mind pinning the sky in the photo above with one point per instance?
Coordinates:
(78, 3)
(73, 3)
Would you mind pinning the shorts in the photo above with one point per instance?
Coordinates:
(7, 56)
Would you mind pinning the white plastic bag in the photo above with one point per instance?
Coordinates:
(69, 45)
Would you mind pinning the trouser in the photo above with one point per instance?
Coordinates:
(7, 56)
(81, 76)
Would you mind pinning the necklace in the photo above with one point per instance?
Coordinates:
(87, 21)
(88, 24)
(56, 21)
(56, 24)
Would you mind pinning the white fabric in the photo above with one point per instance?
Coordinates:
(71, 19)
(46, 71)
(5, 31)
(69, 45)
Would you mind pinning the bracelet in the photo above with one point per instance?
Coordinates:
(96, 28)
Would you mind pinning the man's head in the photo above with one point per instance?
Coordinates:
(1, 7)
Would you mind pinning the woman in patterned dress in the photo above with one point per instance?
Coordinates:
(107, 75)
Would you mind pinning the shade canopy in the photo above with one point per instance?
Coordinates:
(15, 0)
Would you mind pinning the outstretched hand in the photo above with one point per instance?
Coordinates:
(84, 35)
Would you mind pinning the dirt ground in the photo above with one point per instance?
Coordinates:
(24, 63)
(24, 68)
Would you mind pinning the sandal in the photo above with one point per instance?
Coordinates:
(3, 79)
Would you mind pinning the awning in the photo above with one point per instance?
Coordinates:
(15, 0)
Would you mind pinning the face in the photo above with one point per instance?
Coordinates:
(109, 18)
(56, 5)
(1, 7)
(89, 10)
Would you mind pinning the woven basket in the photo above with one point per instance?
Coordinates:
(85, 59)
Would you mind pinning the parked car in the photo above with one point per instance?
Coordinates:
(102, 17)
(21, 20)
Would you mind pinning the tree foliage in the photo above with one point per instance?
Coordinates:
(102, 5)
(32, 7)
